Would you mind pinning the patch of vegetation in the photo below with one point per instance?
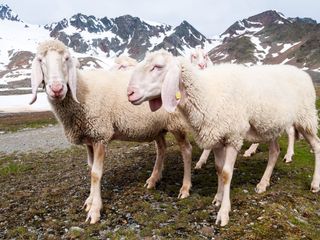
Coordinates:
(9, 165)
(16, 122)
(44, 200)
(293, 32)
(241, 49)
(309, 52)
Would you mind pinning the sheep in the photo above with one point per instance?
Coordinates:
(93, 110)
(200, 58)
(124, 63)
(227, 104)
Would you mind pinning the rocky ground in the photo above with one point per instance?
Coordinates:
(43, 190)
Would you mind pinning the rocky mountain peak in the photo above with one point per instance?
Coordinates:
(87, 23)
(251, 24)
(7, 13)
(189, 33)
(269, 17)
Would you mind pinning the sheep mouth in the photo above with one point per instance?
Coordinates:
(155, 104)
(136, 101)
(56, 97)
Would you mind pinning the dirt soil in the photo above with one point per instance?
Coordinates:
(43, 191)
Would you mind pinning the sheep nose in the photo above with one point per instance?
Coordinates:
(56, 88)
(201, 65)
(130, 91)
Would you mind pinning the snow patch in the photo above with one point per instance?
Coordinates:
(287, 46)
(20, 103)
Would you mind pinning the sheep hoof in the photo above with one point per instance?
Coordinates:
(261, 188)
(287, 158)
(183, 195)
(198, 166)
(314, 189)
(184, 192)
(216, 202)
(93, 215)
(150, 183)
(222, 218)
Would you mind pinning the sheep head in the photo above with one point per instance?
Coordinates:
(54, 66)
(199, 58)
(157, 80)
(124, 62)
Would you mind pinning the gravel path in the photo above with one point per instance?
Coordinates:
(43, 139)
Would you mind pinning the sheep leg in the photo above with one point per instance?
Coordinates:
(274, 151)
(158, 166)
(314, 141)
(94, 202)
(90, 155)
(203, 159)
(251, 150)
(226, 175)
(186, 152)
(219, 158)
(290, 150)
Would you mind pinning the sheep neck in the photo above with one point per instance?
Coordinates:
(192, 107)
(72, 115)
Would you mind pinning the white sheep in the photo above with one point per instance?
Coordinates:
(124, 62)
(93, 109)
(200, 58)
(228, 104)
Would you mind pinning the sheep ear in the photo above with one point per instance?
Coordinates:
(170, 92)
(72, 71)
(36, 78)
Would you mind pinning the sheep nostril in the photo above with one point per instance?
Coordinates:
(56, 88)
(130, 92)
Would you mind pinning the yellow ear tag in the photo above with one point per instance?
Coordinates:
(178, 95)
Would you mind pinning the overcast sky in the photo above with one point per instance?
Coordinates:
(211, 17)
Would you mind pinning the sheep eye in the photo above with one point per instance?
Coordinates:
(66, 58)
(40, 60)
(156, 67)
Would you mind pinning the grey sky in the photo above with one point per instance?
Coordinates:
(209, 17)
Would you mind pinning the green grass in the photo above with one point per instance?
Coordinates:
(9, 165)
(25, 121)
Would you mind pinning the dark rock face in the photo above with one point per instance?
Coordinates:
(7, 13)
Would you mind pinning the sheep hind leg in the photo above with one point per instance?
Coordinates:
(251, 150)
(290, 151)
(203, 159)
(219, 158)
(186, 152)
(93, 203)
(156, 174)
(314, 141)
(274, 151)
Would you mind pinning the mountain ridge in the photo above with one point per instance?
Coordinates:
(265, 38)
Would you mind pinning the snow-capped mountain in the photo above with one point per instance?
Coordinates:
(266, 38)
(95, 41)
(271, 38)
(124, 34)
